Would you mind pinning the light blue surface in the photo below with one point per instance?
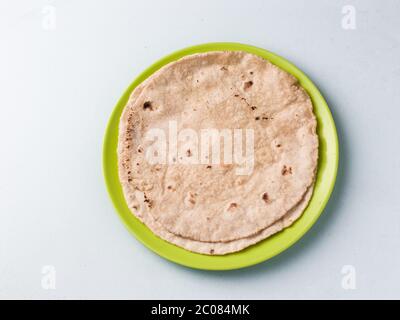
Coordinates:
(59, 87)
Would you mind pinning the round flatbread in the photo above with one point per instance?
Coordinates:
(218, 201)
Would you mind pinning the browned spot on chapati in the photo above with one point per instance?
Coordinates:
(232, 206)
(148, 201)
(190, 199)
(286, 170)
(148, 106)
(247, 84)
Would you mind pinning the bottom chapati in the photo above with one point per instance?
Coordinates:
(221, 248)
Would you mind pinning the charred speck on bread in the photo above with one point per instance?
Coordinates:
(232, 206)
(148, 106)
(286, 170)
(247, 84)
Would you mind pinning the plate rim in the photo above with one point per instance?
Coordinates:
(178, 258)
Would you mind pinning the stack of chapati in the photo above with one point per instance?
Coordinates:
(208, 207)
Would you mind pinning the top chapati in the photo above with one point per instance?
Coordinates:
(222, 90)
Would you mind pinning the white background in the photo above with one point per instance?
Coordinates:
(58, 87)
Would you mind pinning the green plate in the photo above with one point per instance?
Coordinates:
(264, 250)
